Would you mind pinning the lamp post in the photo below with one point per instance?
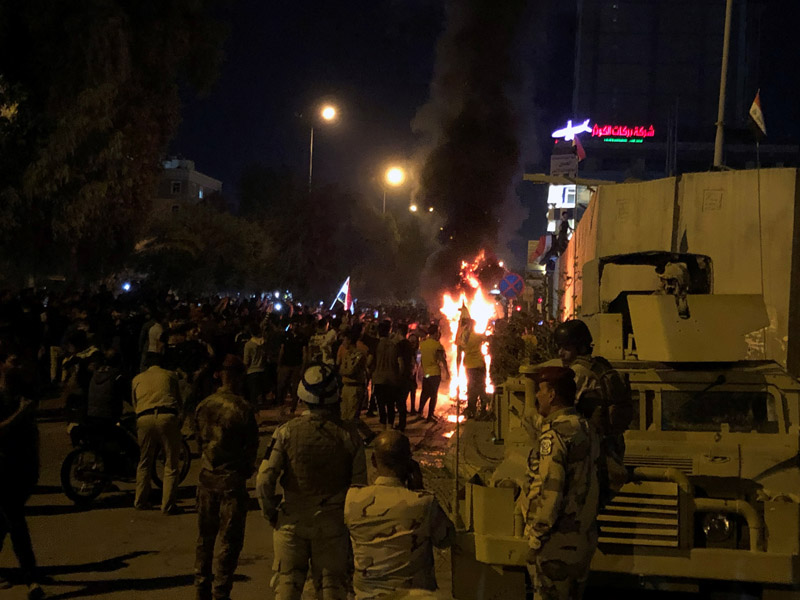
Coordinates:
(395, 176)
(328, 114)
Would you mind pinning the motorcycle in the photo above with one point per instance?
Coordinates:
(103, 454)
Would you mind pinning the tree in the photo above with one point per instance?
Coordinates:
(203, 250)
(95, 88)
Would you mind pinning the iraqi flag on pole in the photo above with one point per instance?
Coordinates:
(344, 296)
(757, 117)
(576, 142)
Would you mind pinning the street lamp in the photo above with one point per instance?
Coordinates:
(395, 176)
(328, 114)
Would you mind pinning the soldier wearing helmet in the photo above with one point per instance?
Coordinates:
(603, 397)
(316, 457)
(573, 340)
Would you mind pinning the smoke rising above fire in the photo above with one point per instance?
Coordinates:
(470, 131)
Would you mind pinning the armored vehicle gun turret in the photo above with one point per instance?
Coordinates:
(713, 452)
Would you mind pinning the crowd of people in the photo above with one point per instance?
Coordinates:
(205, 369)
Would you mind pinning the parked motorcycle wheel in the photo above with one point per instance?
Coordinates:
(184, 463)
(83, 476)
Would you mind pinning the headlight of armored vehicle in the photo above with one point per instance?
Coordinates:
(717, 527)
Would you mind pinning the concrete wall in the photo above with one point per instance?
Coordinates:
(716, 214)
(621, 218)
(719, 216)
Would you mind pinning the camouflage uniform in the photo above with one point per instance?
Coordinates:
(317, 457)
(393, 530)
(562, 503)
(227, 435)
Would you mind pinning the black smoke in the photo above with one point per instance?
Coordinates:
(471, 130)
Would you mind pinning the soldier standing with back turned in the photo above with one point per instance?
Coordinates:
(394, 525)
(227, 436)
(317, 457)
(563, 493)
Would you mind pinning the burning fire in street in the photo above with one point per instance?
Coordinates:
(476, 303)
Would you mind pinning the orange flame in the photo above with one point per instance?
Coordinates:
(479, 306)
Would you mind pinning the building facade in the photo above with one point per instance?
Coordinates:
(182, 185)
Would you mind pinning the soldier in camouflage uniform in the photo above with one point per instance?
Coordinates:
(562, 498)
(609, 409)
(393, 528)
(227, 436)
(317, 457)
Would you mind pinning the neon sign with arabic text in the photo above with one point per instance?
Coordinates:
(622, 131)
(608, 133)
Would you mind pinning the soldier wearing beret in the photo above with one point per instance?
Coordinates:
(562, 499)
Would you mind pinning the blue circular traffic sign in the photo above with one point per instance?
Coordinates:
(511, 285)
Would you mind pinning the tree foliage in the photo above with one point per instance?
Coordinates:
(522, 339)
(95, 90)
(202, 249)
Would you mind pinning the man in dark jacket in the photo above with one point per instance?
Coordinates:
(19, 468)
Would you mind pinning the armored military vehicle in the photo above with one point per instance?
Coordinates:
(713, 451)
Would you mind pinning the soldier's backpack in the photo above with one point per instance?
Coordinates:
(352, 364)
(612, 395)
(610, 409)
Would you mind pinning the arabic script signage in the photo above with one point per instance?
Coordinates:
(608, 133)
(622, 131)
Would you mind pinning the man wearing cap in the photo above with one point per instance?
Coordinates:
(227, 437)
(394, 524)
(156, 399)
(561, 504)
(317, 457)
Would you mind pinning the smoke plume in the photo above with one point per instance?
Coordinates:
(470, 129)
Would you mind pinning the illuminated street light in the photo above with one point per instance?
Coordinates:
(413, 208)
(328, 114)
(430, 209)
(395, 177)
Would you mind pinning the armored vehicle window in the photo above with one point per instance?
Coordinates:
(742, 411)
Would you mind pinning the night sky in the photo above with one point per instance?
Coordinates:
(375, 59)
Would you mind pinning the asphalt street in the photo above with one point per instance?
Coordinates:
(115, 552)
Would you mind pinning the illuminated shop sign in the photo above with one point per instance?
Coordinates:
(608, 133)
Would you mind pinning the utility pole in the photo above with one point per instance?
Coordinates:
(723, 80)
(310, 157)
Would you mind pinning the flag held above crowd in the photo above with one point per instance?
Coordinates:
(344, 297)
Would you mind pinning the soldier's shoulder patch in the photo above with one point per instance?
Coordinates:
(545, 446)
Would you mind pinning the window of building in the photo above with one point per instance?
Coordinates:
(176, 187)
(175, 208)
(200, 193)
